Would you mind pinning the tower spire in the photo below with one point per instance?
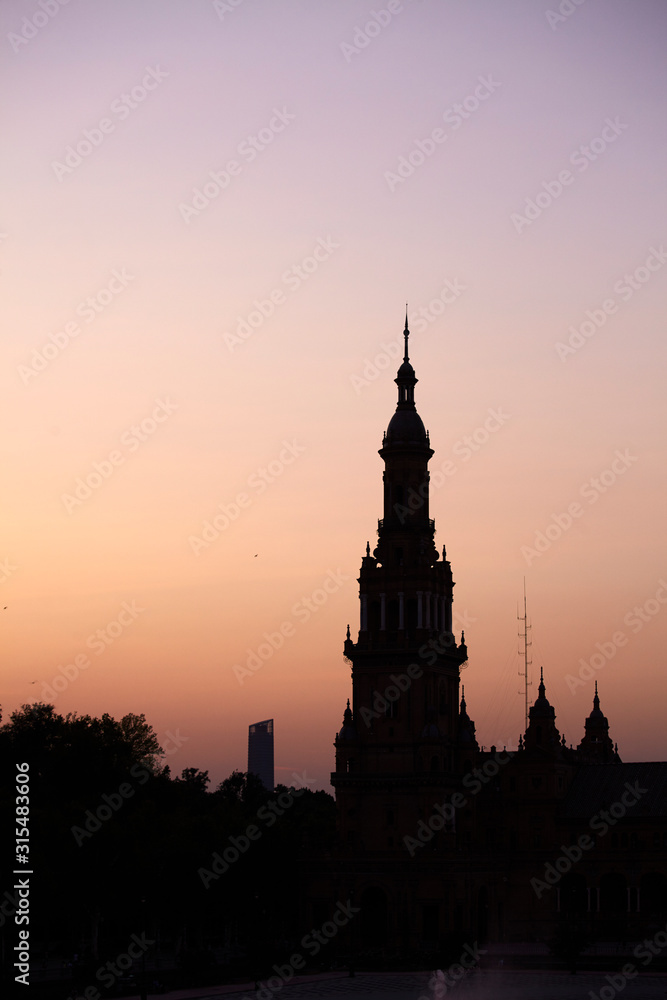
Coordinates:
(406, 334)
(406, 379)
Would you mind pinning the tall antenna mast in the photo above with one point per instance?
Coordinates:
(526, 662)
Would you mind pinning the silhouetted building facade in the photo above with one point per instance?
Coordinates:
(260, 751)
(438, 838)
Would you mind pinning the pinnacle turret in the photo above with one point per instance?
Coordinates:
(597, 745)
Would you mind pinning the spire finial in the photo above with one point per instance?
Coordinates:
(406, 334)
(368, 548)
(348, 636)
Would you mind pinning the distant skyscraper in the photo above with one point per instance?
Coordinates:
(260, 751)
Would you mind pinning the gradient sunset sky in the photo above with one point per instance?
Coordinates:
(216, 214)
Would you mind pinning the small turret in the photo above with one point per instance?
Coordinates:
(349, 730)
(466, 727)
(542, 733)
(597, 746)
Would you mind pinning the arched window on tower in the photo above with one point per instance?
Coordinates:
(374, 616)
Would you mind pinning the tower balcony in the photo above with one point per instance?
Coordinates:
(406, 526)
(381, 640)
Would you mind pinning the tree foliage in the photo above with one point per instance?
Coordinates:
(111, 828)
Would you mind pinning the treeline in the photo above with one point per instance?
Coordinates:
(123, 851)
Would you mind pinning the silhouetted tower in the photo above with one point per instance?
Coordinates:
(467, 740)
(399, 745)
(260, 751)
(542, 734)
(597, 746)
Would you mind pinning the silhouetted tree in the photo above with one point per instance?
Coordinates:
(115, 837)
